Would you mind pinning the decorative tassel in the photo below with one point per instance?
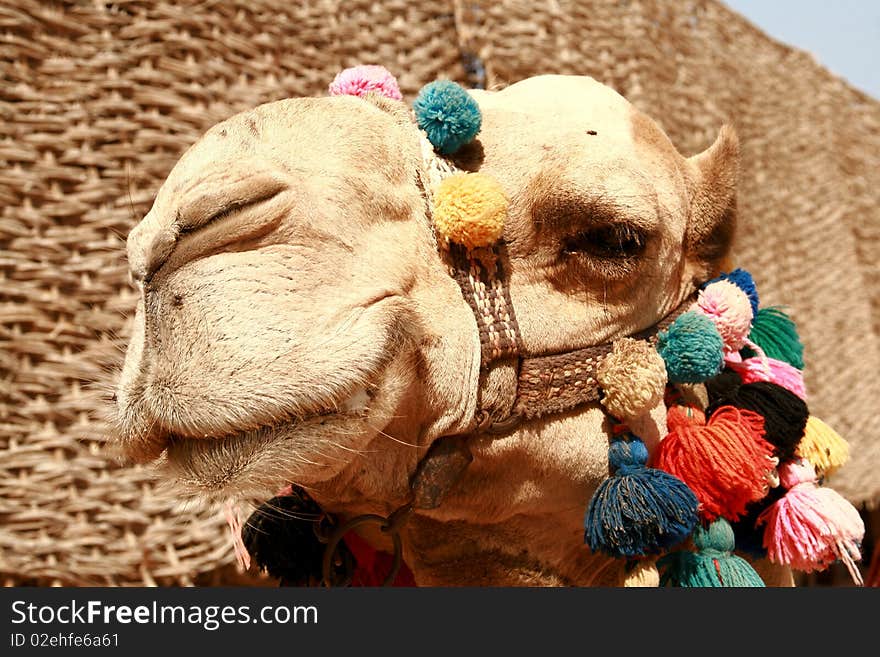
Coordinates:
(731, 311)
(640, 574)
(691, 348)
(364, 79)
(448, 114)
(638, 510)
(823, 447)
(744, 281)
(712, 565)
(775, 371)
(811, 527)
(280, 537)
(775, 333)
(725, 462)
(470, 209)
(722, 384)
(632, 378)
(750, 537)
(785, 414)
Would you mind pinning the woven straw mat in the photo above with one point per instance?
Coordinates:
(99, 100)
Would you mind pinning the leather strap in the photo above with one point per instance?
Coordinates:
(561, 382)
(483, 284)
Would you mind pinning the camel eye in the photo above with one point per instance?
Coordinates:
(607, 242)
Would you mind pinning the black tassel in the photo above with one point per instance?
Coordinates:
(280, 537)
(785, 414)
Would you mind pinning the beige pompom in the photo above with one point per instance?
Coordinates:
(632, 377)
(643, 574)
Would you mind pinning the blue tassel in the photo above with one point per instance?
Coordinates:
(713, 565)
(638, 510)
(744, 281)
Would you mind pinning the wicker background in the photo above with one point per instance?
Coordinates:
(98, 101)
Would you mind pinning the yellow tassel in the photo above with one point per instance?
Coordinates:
(643, 574)
(470, 209)
(822, 446)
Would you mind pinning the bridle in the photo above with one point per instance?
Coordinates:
(541, 385)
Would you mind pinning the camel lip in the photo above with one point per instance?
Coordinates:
(250, 463)
(214, 468)
(248, 466)
(172, 439)
(171, 444)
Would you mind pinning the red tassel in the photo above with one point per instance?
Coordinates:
(725, 462)
(373, 566)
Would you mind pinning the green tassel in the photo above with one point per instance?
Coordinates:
(712, 565)
(776, 334)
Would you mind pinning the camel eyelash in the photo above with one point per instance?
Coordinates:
(612, 241)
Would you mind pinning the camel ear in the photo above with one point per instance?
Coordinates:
(712, 220)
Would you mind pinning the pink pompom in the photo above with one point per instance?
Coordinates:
(360, 80)
(730, 309)
(772, 370)
(811, 527)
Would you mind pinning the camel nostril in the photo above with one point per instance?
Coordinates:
(113, 397)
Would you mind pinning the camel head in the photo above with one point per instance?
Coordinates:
(297, 322)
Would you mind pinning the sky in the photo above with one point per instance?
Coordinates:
(843, 35)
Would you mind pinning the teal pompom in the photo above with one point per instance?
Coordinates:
(638, 510)
(712, 565)
(692, 349)
(448, 114)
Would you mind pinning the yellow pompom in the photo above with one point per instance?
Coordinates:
(469, 209)
(822, 446)
(633, 379)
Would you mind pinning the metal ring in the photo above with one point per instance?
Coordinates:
(322, 528)
(389, 525)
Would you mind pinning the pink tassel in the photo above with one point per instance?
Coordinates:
(242, 556)
(811, 527)
(770, 369)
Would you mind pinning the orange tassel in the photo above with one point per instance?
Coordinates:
(725, 462)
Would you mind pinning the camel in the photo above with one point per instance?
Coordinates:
(297, 324)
